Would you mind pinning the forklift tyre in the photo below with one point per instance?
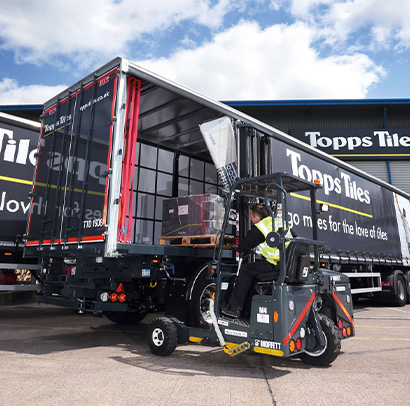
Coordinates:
(162, 336)
(126, 318)
(325, 356)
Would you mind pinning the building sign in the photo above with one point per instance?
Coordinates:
(359, 144)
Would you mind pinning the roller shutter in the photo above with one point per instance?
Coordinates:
(400, 174)
(376, 168)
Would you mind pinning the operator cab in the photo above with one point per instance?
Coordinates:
(295, 253)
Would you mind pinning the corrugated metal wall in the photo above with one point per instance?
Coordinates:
(379, 169)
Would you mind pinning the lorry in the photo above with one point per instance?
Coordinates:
(119, 143)
(18, 145)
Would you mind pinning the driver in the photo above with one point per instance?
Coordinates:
(256, 237)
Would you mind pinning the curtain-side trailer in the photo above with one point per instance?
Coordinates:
(18, 145)
(118, 143)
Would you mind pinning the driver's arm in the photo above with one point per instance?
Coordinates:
(252, 240)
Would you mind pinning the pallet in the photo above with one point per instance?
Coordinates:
(194, 240)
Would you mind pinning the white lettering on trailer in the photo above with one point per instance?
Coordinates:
(330, 184)
(12, 206)
(17, 152)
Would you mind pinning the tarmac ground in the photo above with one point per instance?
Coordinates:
(54, 356)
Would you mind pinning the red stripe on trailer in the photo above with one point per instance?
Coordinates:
(299, 320)
(104, 217)
(93, 238)
(130, 143)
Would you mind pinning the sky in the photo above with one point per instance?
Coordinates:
(225, 49)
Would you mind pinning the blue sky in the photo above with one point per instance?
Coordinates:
(228, 50)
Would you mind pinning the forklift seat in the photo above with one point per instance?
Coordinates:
(297, 266)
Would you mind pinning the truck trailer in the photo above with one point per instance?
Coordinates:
(18, 145)
(119, 143)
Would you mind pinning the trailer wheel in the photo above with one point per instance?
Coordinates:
(401, 294)
(162, 336)
(407, 279)
(327, 355)
(126, 318)
(198, 306)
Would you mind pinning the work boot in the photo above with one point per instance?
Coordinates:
(231, 311)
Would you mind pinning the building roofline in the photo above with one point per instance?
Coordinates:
(7, 107)
(318, 102)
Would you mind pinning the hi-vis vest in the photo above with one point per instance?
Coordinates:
(270, 253)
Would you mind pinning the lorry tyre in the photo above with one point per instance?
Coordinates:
(162, 336)
(407, 280)
(126, 318)
(327, 355)
(400, 288)
(198, 306)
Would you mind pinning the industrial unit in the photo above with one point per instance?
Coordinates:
(343, 119)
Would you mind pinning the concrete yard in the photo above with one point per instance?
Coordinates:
(54, 356)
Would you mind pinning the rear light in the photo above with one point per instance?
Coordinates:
(302, 332)
(344, 332)
(292, 346)
(275, 317)
(70, 270)
(349, 331)
(104, 297)
(298, 344)
(114, 297)
(340, 324)
(122, 297)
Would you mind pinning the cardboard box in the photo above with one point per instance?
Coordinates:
(192, 215)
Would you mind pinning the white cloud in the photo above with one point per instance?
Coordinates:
(385, 22)
(94, 30)
(11, 93)
(279, 62)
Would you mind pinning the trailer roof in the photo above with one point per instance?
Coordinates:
(170, 115)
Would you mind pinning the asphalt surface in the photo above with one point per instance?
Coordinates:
(53, 356)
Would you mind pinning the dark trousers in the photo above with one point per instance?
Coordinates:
(246, 277)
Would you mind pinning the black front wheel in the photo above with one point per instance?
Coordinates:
(162, 336)
(323, 356)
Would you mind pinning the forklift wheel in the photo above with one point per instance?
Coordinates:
(325, 356)
(162, 336)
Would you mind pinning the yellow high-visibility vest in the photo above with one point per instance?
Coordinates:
(270, 253)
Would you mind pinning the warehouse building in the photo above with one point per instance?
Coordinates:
(373, 135)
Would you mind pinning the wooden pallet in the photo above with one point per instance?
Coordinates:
(195, 240)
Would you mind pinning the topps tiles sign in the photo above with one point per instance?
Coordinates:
(359, 144)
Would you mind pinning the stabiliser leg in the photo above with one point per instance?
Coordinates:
(232, 351)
